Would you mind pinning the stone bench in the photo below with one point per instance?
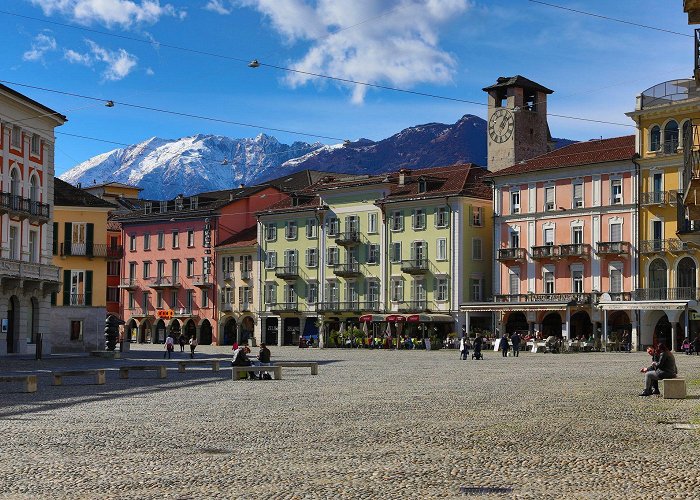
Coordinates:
(673, 388)
(99, 375)
(276, 371)
(215, 364)
(161, 369)
(29, 381)
(300, 364)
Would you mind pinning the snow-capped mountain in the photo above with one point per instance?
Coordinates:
(165, 168)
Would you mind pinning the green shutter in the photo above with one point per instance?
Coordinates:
(89, 239)
(66, 287)
(68, 238)
(88, 288)
(53, 298)
(55, 238)
(471, 218)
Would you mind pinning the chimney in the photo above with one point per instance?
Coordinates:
(402, 176)
(242, 185)
(79, 185)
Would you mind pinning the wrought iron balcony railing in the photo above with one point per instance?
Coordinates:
(347, 270)
(511, 254)
(23, 206)
(287, 272)
(682, 293)
(613, 248)
(545, 252)
(577, 298)
(414, 266)
(578, 250)
(348, 238)
(414, 306)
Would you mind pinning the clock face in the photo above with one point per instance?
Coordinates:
(501, 125)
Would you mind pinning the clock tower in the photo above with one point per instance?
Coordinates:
(517, 121)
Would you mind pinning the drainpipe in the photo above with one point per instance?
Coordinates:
(637, 276)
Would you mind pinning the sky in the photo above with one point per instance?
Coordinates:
(125, 51)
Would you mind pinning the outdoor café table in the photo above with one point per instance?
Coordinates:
(574, 345)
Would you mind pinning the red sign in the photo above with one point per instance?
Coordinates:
(396, 318)
(413, 318)
(367, 318)
(164, 313)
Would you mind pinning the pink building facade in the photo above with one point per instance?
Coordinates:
(565, 232)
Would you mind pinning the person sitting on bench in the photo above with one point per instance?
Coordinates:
(240, 358)
(659, 370)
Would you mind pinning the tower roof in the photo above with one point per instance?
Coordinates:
(517, 81)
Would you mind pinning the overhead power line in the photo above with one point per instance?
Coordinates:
(608, 18)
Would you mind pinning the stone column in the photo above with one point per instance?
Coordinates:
(635, 332)
(674, 329)
(466, 324)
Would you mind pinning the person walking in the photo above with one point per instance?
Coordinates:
(504, 345)
(463, 350)
(193, 345)
(169, 346)
(181, 340)
(515, 340)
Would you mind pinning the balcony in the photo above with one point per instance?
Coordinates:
(287, 272)
(226, 307)
(182, 312)
(338, 307)
(678, 246)
(545, 252)
(128, 283)
(161, 282)
(244, 306)
(653, 246)
(246, 274)
(202, 281)
(348, 239)
(613, 248)
(347, 270)
(413, 306)
(660, 198)
(284, 307)
(24, 207)
(575, 250)
(137, 312)
(91, 250)
(511, 254)
(30, 271)
(617, 296)
(683, 293)
(691, 160)
(78, 299)
(577, 298)
(228, 275)
(414, 266)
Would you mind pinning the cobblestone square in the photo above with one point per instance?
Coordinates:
(372, 424)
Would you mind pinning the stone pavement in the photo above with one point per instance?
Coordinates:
(372, 424)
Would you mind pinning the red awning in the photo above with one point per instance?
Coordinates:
(413, 318)
(367, 318)
(396, 318)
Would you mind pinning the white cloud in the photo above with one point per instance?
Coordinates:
(386, 43)
(119, 63)
(218, 7)
(41, 44)
(124, 13)
(150, 72)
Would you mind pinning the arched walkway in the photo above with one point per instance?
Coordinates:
(229, 332)
(551, 325)
(175, 328)
(619, 325)
(658, 279)
(662, 331)
(516, 322)
(272, 331)
(580, 325)
(685, 278)
(146, 331)
(190, 329)
(246, 330)
(13, 325)
(131, 330)
(160, 329)
(205, 336)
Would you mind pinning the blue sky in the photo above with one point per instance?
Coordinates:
(447, 47)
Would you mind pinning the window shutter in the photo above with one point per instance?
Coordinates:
(578, 190)
(68, 238)
(88, 288)
(471, 215)
(615, 232)
(514, 284)
(550, 195)
(89, 239)
(55, 238)
(66, 286)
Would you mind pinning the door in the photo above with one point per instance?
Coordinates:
(657, 233)
(77, 288)
(419, 253)
(657, 186)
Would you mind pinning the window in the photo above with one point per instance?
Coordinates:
(441, 290)
(77, 288)
(132, 271)
(176, 271)
(418, 219)
(515, 202)
(190, 268)
(290, 294)
(270, 260)
(333, 226)
(290, 230)
(205, 298)
(176, 239)
(290, 260)
(160, 269)
(33, 246)
(616, 191)
(615, 280)
(227, 296)
(161, 240)
(395, 254)
(577, 235)
(419, 253)
(206, 265)
(548, 282)
(190, 301)
(514, 283)
(373, 253)
(146, 270)
(515, 239)
(671, 137)
(173, 299)
(441, 217)
(132, 242)
(178, 203)
(194, 202)
(476, 249)
(441, 251)
(14, 243)
(146, 241)
(36, 144)
(333, 256)
(616, 232)
(397, 221)
(112, 294)
(163, 206)
(113, 268)
(131, 301)
(34, 189)
(549, 236)
(146, 301)
(655, 138)
(190, 238)
(352, 224)
(270, 293)
(159, 299)
(311, 257)
(577, 278)
(372, 227)
(312, 293)
(477, 216)
(310, 228)
(396, 290)
(549, 198)
(476, 290)
(270, 232)
(76, 331)
(373, 294)
(16, 136)
(578, 195)
(422, 185)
